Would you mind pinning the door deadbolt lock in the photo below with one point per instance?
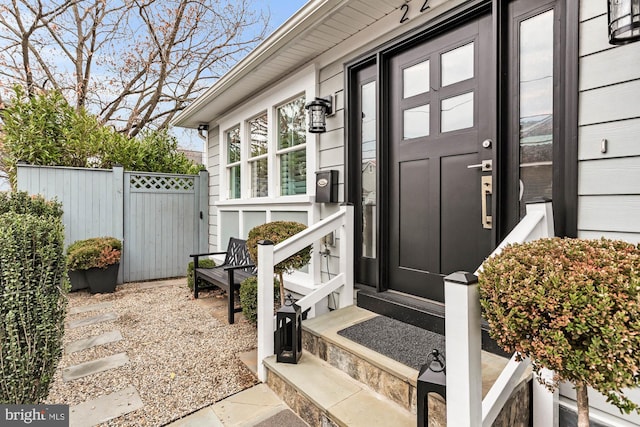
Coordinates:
(487, 143)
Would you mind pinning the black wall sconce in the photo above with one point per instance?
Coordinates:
(318, 110)
(624, 21)
(288, 339)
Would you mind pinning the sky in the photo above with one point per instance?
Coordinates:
(280, 10)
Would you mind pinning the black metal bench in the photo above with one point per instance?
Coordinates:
(237, 267)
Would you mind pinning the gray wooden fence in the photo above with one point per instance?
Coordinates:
(161, 218)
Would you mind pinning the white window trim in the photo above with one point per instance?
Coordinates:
(302, 83)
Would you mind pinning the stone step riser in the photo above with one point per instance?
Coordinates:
(394, 388)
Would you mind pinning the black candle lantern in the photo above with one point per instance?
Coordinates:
(318, 110)
(431, 379)
(288, 340)
(624, 21)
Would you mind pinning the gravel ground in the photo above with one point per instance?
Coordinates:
(181, 357)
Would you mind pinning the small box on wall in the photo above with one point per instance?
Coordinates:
(327, 186)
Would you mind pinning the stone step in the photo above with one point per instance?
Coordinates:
(388, 377)
(105, 408)
(90, 307)
(322, 395)
(94, 366)
(85, 343)
(99, 318)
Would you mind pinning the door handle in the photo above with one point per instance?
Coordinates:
(485, 166)
(486, 190)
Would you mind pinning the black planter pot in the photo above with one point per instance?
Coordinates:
(78, 280)
(102, 280)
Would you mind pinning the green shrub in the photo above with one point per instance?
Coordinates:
(572, 306)
(249, 298)
(202, 263)
(33, 285)
(22, 203)
(276, 232)
(96, 252)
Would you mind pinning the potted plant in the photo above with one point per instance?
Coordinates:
(571, 306)
(94, 263)
(276, 232)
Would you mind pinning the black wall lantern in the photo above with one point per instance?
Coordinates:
(288, 340)
(318, 110)
(624, 21)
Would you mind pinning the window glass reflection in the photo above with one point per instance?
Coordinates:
(415, 79)
(457, 112)
(369, 170)
(457, 65)
(416, 122)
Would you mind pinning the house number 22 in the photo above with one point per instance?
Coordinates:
(405, 10)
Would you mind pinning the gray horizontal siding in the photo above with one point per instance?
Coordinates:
(213, 163)
(608, 183)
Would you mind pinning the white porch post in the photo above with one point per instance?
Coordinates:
(463, 347)
(265, 305)
(545, 403)
(346, 257)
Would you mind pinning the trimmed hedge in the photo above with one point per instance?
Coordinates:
(33, 285)
(22, 203)
(202, 263)
(96, 252)
(249, 297)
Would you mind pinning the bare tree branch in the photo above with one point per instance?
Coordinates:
(134, 63)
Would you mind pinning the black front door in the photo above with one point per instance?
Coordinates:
(440, 157)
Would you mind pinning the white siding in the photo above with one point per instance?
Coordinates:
(213, 163)
(608, 183)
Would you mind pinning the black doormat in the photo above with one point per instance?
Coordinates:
(399, 341)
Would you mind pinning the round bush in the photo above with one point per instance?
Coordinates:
(249, 298)
(278, 231)
(99, 252)
(202, 263)
(572, 306)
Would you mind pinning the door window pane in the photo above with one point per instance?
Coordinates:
(416, 122)
(457, 112)
(536, 107)
(415, 79)
(457, 65)
(369, 170)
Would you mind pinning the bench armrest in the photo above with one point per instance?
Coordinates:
(236, 267)
(207, 254)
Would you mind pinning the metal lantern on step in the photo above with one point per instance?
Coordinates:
(624, 21)
(431, 379)
(288, 339)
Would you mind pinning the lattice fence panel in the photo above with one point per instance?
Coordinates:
(143, 183)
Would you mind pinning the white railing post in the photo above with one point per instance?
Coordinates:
(545, 403)
(545, 226)
(346, 257)
(463, 350)
(265, 305)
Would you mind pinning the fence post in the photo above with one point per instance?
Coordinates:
(463, 347)
(118, 219)
(346, 257)
(265, 305)
(202, 238)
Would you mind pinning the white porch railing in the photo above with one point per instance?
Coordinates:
(270, 255)
(465, 407)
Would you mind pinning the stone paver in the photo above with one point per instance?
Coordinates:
(104, 408)
(202, 418)
(90, 307)
(94, 366)
(102, 339)
(106, 317)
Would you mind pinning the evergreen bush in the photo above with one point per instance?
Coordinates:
(571, 306)
(249, 298)
(96, 252)
(202, 263)
(33, 285)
